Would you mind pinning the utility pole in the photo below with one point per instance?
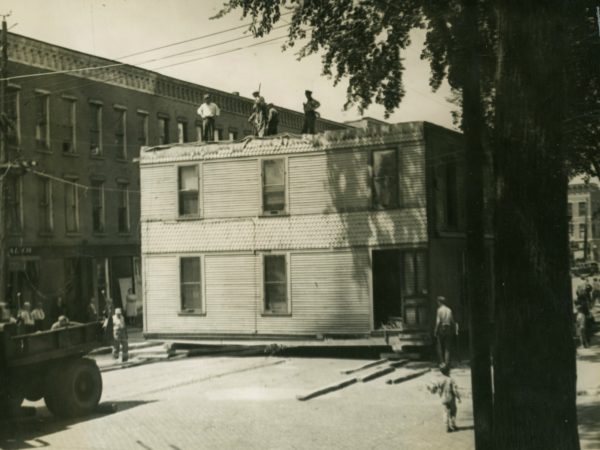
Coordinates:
(3, 153)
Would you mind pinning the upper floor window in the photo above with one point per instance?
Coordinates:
(13, 133)
(97, 195)
(583, 209)
(142, 128)
(120, 133)
(182, 132)
(198, 131)
(571, 229)
(385, 179)
(570, 210)
(45, 215)
(190, 284)
(163, 130)
(273, 186)
(14, 204)
(68, 117)
(71, 205)
(123, 207)
(218, 134)
(95, 129)
(582, 229)
(42, 118)
(448, 208)
(275, 285)
(233, 135)
(188, 181)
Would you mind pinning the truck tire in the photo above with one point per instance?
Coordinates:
(77, 389)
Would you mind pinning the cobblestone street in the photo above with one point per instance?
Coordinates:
(250, 403)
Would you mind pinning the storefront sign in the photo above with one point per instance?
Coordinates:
(20, 251)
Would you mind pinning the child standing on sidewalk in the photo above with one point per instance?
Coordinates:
(448, 392)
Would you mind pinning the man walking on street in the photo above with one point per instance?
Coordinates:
(208, 111)
(120, 336)
(310, 113)
(445, 331)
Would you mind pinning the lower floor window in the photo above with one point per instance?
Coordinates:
(190, 276)
(275, 285)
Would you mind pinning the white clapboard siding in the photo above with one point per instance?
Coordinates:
(158, 185)
(329, 294)
(411, 167)
(228, 293)
(231, 188)
(335, 181)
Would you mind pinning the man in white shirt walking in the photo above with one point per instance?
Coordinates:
(208, 111)
(445, 331)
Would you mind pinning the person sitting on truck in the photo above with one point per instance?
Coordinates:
(25, 318)
(62, 322)
(39, 316)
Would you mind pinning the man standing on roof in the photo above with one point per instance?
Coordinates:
(310, 113)
(258, 118)
(208, 111)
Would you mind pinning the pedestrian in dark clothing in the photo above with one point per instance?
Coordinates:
(447, 389)
(445, 331)
(108, 313)
(272, 120)
(310, 113)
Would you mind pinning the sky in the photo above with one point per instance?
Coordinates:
(116, 28)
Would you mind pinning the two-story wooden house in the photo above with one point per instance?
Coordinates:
(341, 233)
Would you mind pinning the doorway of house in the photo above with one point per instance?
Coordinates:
(387, 293)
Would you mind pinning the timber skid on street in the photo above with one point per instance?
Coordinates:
(50, 365)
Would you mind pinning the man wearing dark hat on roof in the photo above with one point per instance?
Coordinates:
(272, 120)
(258, 118)
(310, 113)
(208, 111)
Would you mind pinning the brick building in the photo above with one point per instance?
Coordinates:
(343, 233)
(73, 219)
(584, 224)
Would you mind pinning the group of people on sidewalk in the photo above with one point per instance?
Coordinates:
(587, 294)
(264, 117)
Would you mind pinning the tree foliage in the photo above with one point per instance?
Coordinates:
(363, 40)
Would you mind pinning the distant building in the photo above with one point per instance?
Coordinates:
(73, 220)
(584, 224)
(337, 234)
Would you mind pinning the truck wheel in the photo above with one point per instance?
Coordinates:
(80, 389)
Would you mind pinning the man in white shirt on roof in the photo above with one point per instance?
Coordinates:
(208, 111)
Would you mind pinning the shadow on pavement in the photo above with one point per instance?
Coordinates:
(588, 415)
(28, 431)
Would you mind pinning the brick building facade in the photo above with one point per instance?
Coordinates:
(73, 218)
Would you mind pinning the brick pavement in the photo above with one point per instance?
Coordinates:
(250, 403)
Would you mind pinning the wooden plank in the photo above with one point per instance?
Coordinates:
(377, 374)
(365, 366)
(407, 377)
(327, 389)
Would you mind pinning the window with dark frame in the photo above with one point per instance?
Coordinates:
(42, 101)
(163, 130)
(142, 128)
(273, 186)
(95, 129)
(123, 207)
(582, 209)
(571, 229)
(45, 218)
(275, 284)
(14, 204)
(120, 134)
(385, 179)
(570, 209)
(71, 206)
(191, 284)
(188, 181)
(97, 196)
(69, 111)
(12, 114)
(182, 134)
(582, 231)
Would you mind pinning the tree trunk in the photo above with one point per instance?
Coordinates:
(534, 355)
(477, 295)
